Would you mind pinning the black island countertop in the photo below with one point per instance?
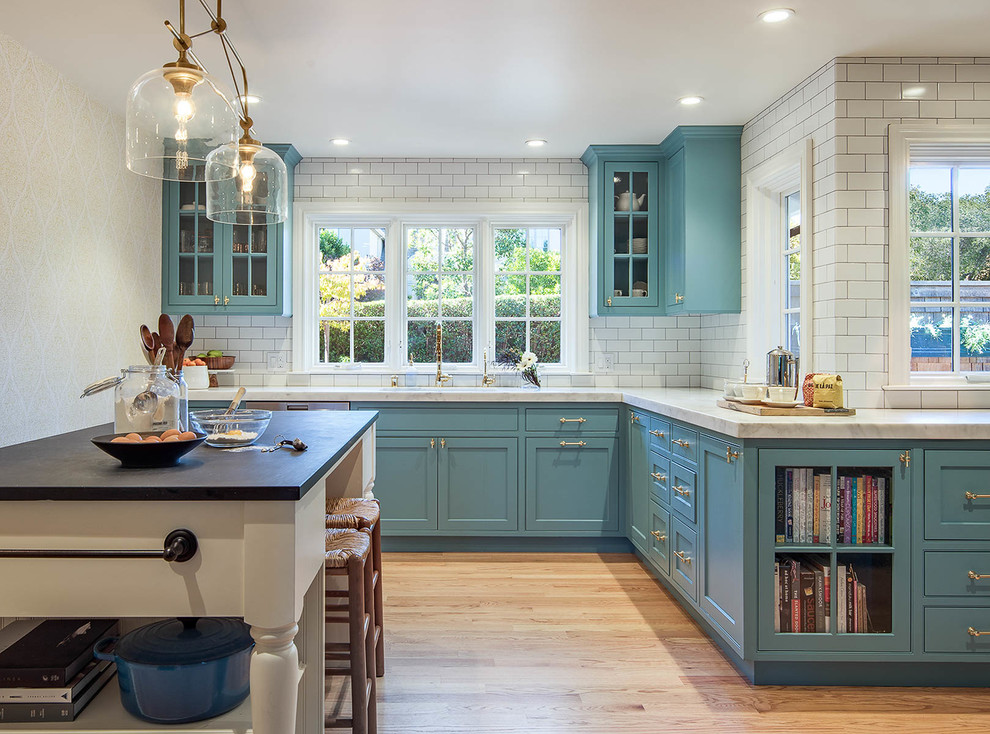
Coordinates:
(69, 467)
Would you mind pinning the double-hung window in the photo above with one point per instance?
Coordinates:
(372, 286)
(939, 255)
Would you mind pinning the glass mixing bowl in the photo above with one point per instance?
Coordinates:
(226, 430)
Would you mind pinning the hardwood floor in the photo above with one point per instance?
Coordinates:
(581, 643)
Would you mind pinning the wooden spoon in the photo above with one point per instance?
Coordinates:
(184, 335)
(148, 343)
(166, 329)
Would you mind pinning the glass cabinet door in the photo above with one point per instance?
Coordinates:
(250, 277)
(631, 235)
(195, 266)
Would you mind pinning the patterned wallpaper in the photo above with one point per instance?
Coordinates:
(80, 247)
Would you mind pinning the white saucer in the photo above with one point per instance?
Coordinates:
(785, 404)
(744, 401)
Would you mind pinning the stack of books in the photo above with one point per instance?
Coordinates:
(803, 499)
(864, 509)
(47, 668)
(802, 593)
(854, 613)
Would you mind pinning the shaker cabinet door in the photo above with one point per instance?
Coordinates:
(572, 487)
(406, 483)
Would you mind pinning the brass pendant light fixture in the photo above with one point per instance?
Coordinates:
(246, 183)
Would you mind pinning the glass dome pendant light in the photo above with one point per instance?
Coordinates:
(176, 115)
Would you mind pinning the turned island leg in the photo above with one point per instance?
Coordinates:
(275, 677)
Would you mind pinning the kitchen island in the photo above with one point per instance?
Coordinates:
(258, 521)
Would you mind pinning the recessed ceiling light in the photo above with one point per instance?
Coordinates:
(536, 143)
(340, 141)
(249, 98)
(777, 15)
(691, 100)
(913, 91)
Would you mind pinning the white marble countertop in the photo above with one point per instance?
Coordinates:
(690, 405)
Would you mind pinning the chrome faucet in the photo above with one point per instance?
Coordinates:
(486, 379)
(441, 377)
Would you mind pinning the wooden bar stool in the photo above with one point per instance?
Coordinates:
(348, 554)
(362, 514)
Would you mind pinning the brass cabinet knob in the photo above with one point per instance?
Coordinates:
(216, 300)
(608, 301)
(226, 300)
(433, 443)
(678, 298)
(905, 458)
(730, 454)
(443, 443)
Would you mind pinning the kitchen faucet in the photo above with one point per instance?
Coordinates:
(441, 377)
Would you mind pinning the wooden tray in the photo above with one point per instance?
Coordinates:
(796, 410)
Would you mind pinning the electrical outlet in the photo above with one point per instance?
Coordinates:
(276, 361)
(605, 362)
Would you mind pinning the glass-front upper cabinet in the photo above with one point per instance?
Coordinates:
(221, 268)
(624, 192)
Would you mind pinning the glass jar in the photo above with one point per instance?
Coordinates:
(147, 399)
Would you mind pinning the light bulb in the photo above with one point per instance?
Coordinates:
(183, 109)
(247, 173)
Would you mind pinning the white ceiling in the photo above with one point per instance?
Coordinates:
(475, 78)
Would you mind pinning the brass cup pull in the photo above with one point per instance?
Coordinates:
(971, 496)
(658, 476)
(573, 420)
(658, 434)
(730, 454)
(682, 444)
(573, 443)
(977, 633)
(656, 534)
(977, 576)
(686, 559)
(680, 490)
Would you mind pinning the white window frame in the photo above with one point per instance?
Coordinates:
(901, 138)
(766, 187)
(310, 217)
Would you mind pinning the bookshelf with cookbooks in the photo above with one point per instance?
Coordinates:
(834, 550)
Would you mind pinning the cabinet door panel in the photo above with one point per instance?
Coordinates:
(572, 487)
(684, 561)
(721, 517)
(949, 477)
(674, 232)
(479, 485)
(406, 483)
(638, 482)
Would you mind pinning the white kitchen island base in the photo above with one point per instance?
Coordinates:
(260, 560)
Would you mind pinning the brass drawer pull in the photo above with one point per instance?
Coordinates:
(685, 559)
(682, 444)
(977, 633)
(656, 534)
(730, 454)
(658, 434)
(573, 443)
(681, 491)
(971, 496)
(658, 476)
(977, 576)
(573, 420)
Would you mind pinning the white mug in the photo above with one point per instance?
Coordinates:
(752, 391)
(782, 394)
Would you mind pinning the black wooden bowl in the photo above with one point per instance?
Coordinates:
(147, 455)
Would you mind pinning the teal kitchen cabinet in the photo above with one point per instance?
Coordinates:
(702, 241)
(572, 485)
(638, 480)
(875, 574)
(210, 268)
(625, 204)
(722, 518)
(478, 483)
(406, 482)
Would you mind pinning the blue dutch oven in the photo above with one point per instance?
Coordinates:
(182, 670)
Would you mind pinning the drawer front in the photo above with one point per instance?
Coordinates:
(573, 419)
(684, 444)
(660, 538)
(423, 417)
(683, 485)
(947, 629)
(660, 478)
(957, 495)
(660, 434)
(956, 573)
(683, 563)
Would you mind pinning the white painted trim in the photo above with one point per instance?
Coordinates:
(901, 138)
(571, 217)
(791, 168)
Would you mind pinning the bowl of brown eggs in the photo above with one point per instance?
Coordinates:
(149, 449)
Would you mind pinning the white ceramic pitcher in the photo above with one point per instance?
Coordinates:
(623, 200)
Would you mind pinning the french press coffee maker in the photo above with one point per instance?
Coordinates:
(782, 368)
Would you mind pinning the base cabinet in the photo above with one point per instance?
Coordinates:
(572, 485)
(478, 484)
(406, 483)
